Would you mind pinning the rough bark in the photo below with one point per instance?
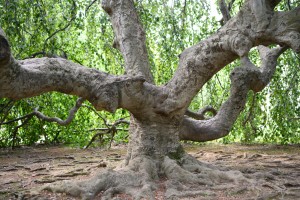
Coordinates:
(200, 62)
(244, 78)
(158, 119)
(129, 37)
(31, 77)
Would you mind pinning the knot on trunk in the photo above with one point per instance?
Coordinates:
(109, 5)
(116, 92)
(240, 44)
(247, 77)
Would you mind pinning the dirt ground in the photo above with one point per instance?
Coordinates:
(27, 168)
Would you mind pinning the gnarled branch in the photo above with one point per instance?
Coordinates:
(235, 39)
(244, 78)
(65, 122)
(31, 77)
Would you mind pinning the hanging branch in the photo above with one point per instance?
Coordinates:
(65, 122)
(183, 14)
(40, 115)
(112, 129)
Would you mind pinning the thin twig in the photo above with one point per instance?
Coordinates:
(219, 82)
(17, 128)
(183, 14)
(89, 6)
(249, 117)
(112, 130)
(288, 2)
(96, 112)
(17, 119)
(62, 29)
(8, 107)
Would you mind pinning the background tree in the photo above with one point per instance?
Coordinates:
(159, 115)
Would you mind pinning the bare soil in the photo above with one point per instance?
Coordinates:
(26, 168)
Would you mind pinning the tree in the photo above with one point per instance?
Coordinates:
(159, 115)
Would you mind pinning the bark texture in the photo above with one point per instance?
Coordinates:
(159, 113)
(129, 37)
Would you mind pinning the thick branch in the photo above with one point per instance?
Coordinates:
(225, 11)
(129, 37)
(196, 66)
(235, 39)
(245, 78)
(31, 77)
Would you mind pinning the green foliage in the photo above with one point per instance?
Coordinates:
(82, 32)
(172, 26)
(71, 29)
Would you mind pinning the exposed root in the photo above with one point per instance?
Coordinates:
(190, 177)
(143, 177)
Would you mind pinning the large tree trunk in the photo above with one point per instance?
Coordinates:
(155, 161)
(158, 119)
(154, 139)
